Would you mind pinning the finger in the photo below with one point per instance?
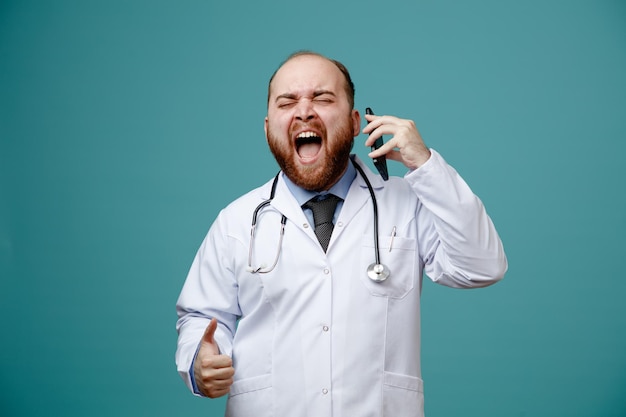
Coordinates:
(212, 381)
(378, 133)
(210, 332)
(213, 390)
(220, 381)
(217, 362)
(391, 131)
(220, 378)
(395, 155)
(383, 150)
(371, 123)
(216, 393)
(370, 117)
(376, 121)
(384, 129)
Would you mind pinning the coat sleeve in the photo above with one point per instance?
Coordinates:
(459, 244)
(210, 290)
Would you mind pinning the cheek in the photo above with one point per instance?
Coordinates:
(278, 125)
(339, 124)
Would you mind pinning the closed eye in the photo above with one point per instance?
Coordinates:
(285, 104)
(324, 96)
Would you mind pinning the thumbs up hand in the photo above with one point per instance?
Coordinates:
(213, 372)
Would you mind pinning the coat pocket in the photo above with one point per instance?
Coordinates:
(403, 395)
(401, 261)
(248, 396)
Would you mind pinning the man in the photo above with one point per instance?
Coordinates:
(288, 321)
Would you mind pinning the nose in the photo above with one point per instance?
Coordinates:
(304, 110)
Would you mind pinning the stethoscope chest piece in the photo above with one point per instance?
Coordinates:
(378, 272)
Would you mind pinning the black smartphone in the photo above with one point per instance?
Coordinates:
(381, 162)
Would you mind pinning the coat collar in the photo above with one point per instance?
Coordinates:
(358, 195)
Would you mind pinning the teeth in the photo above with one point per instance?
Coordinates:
(307, 135)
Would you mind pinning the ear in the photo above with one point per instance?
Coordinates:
(356, 122)
(265, 128)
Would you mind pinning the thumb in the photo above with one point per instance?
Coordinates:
(209, 333)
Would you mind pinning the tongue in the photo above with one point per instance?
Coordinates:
(309, 150)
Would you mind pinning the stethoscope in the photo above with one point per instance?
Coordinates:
(377, 271)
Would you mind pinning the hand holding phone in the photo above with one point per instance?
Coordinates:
(381, 162)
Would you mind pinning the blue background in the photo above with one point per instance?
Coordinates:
(126, 125)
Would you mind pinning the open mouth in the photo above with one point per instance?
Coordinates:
(308, 145)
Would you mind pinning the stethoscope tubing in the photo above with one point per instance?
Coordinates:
(374, 207)
(377, 272)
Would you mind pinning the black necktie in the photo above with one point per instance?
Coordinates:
(323, 208)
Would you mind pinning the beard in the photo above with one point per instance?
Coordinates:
(324, 173)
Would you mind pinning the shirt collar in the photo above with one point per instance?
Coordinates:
(340, 189)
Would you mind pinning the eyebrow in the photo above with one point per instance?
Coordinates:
(316, 93)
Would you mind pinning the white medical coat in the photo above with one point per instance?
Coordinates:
(316, 337)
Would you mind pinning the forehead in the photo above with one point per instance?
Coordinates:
(307, 73)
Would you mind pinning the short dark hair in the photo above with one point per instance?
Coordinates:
(349, 85)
